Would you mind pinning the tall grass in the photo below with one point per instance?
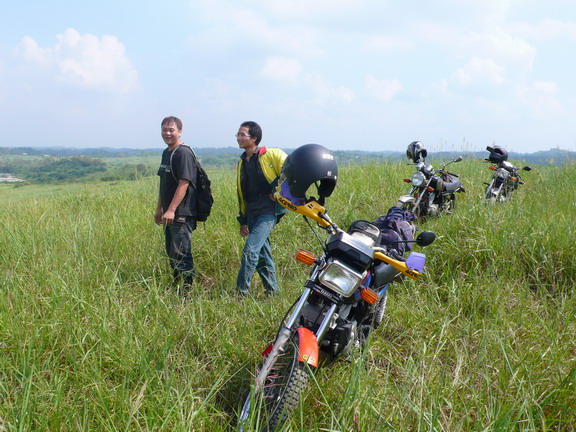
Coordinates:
(94, 337)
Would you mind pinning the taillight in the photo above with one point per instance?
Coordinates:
(306, 257)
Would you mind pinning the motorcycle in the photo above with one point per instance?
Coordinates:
(433, 192)
(504, 182)
(342, 302)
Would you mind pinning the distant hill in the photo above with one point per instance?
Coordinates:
(216, 155)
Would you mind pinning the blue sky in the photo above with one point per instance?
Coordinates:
(347, 74)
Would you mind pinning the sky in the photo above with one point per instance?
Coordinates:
(369, 75)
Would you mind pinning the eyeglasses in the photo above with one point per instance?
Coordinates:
(242, 135)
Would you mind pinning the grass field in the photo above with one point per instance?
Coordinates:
(93, 337)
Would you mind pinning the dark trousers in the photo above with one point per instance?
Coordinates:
(178, 237)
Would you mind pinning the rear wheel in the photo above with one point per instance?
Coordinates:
(283, 386)
(373, 318)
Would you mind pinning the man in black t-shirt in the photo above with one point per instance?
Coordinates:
(176, 207)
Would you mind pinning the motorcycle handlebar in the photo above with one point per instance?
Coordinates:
(316, 212)
(398, 265)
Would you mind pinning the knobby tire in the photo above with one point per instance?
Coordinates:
(283, 387)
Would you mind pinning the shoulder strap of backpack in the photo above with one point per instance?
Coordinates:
(172, 155)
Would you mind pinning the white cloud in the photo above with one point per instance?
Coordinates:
(84, 60)
(30, 51)
(316, 8)
(547, 29)
(479, 70)
(282, 68)
(325, 92)
(386, 43)
(382, 89)
(228, 25)
(316, 87)
(502, 48)
(541, 98)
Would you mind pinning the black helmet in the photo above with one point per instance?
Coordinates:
(497, 154)
(416, 151)
(308, 165)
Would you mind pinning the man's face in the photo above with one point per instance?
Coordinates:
(244, 139)
(171, 134)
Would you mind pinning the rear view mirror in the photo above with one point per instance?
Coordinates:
(425, 238)
(527, 168)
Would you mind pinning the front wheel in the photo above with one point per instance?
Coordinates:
(280, 395)
(449, 203)
(493, 193)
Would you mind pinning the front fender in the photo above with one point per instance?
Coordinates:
(307, 347)
(405, 199)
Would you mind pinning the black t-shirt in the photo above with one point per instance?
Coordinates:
(185, 169)
(255, 188)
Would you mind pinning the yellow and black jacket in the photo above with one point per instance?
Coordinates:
(271, 161)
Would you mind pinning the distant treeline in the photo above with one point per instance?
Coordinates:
(224, 156)
(71, 169)
(59, 164)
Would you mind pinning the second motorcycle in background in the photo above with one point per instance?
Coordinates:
(433, 192)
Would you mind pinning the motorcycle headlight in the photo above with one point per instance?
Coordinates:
(340, 278)
(503, 174)
(418, 179)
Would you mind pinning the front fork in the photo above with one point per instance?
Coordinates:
(308, 342)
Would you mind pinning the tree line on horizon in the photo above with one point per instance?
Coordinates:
(58, 164)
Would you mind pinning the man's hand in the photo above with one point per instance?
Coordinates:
(168, 217)
(244, 230)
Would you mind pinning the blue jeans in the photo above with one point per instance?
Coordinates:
(257, 255)
(178, 236)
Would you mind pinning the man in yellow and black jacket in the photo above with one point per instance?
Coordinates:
(258, 171)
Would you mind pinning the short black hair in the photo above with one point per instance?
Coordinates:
(170, 119)
(254, 130)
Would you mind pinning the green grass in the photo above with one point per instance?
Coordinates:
(92, 337)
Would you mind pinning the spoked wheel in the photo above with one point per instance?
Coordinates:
(493, 194)
(450, 205)
(373, 318)
(380, 309)
(280, 396)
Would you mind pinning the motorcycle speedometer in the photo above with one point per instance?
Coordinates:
(341, 278)
(418, 179)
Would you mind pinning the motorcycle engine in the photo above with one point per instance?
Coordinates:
(433, 209)
(343, 338)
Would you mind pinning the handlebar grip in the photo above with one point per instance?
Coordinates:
(398, 265)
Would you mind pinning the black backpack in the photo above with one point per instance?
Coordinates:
(204, 198)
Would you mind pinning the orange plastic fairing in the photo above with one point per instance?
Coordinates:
(308, 349)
